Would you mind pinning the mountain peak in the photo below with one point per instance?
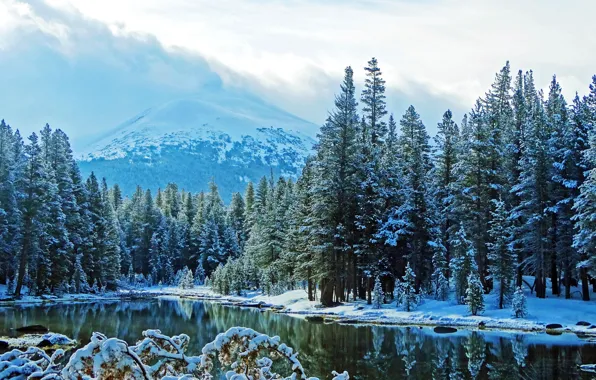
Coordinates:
(200, 137)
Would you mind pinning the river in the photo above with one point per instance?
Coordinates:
(365, 351)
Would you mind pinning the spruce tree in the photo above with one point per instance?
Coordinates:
(406, 293)
(33, 186)
(334, 191)
(502, 259)
(474, 294)
(378, 295)
(462, 262)
(518, 304)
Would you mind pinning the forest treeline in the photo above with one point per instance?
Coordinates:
(507, 192)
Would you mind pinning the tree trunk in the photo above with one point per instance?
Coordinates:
(310, 290)
(369, 291)
(327, 292)
(567, 281)
(501, 293)
(554, 279)
(540, 285)
(583, 272)
(23, 259)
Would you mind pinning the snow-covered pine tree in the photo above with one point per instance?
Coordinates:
(532, 188)
(445, 159)
(462, 262)
(502, 259)
(474, 294)
(371, 202)
(563, 183)
(518, 304)
(412, 221)
(186, 279)
(236, 219)
(79, 278)
(333, 191)
(407, 297)
(32, 186)
(378, 295)
(210, 248)
(585, 204)
(516, 139)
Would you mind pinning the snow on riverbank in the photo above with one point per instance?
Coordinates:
(541, 312)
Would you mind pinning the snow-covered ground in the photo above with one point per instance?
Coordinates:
(541, 312)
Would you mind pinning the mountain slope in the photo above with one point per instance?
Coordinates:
(233, 137)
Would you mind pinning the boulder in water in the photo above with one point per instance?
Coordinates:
(33, 329)
(315, 318)
(583, 323)
(552, 326)
(444, 330)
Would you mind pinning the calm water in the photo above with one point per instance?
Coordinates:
(367, 352)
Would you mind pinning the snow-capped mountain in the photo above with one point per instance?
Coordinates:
(233, 137)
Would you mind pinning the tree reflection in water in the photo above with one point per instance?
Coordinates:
(367, 352)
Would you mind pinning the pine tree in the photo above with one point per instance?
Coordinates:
(211, 251)
(518, 304)
(187, 279)
(502, 259)
(474, 294)
(378, 295)
(445, 159)
(532, 188)
(585, 204)
(462, 263)
(79, 278)
(406, 293)
(33, 185)
(236, 218)
(334, 191)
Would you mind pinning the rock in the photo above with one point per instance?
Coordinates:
(360, 308)
(481, 325)
(349, 321)
(551, 326)
(592, 327)
(554, 332)
(44, 343)
(444, 330)
(3, 345)
(33, 329)
(315, 319)
(583, 323)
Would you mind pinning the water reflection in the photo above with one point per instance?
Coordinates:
(367, 352)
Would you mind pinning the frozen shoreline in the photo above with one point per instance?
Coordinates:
(430, 312)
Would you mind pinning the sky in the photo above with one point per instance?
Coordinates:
(86, 66)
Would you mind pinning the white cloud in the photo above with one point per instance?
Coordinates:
(452, 46)
(434, 53)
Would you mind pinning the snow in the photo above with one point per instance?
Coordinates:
(430, 311)
(33, 340)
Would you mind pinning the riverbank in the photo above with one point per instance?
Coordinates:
(552, 314)
(543, 314)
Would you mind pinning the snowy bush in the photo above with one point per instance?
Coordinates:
(475, 294)
(242, 354)
(378, 298)
(33, 363)
(518, 305)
